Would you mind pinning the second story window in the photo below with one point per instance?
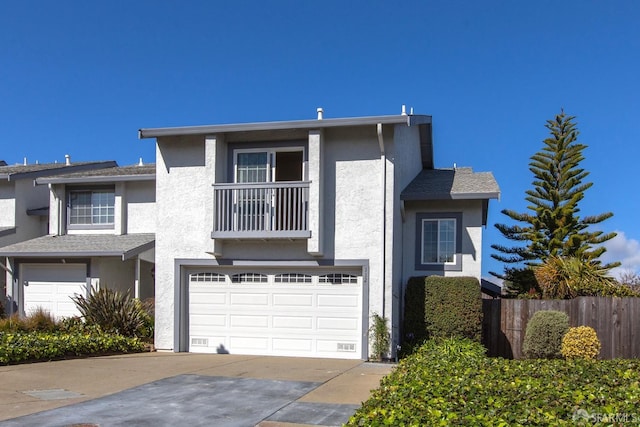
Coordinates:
(88, 208)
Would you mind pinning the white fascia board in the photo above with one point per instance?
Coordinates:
(410, 120)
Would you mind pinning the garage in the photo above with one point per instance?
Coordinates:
(51, 287)
(280, 313)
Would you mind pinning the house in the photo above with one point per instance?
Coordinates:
(101, 233)
(284, 238)
(24, 206)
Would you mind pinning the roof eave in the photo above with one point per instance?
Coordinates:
(410, 120)
(94, 179)
(451, 196)
(61, 170)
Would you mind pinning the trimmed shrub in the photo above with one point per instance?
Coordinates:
(414, 329)
(16, 347)
(581, 342)
(543, 337)
(453, 307)
(113, 312)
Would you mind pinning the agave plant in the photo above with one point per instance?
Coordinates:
(569, 277)
(112, 311)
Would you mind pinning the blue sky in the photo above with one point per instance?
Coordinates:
(81, 77)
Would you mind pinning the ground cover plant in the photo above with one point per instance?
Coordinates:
(40, 337)
(452, 382)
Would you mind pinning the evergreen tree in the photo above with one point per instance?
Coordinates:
(552, 226)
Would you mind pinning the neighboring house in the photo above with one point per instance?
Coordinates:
(101, 234)
(24, 207)
(284, 238)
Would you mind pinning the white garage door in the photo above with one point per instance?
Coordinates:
(281, 313)
(51, 287)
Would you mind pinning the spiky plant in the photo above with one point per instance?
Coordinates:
(112, 311)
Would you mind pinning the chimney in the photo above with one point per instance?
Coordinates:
(67, 159)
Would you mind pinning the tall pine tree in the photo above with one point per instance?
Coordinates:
(552, 225)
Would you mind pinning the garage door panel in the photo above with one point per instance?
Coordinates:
(337, 324)
(249, 299)
(249, 321)
(328, 300)
(203, 297)
(295, 300)
(292, 322)
(208, 320)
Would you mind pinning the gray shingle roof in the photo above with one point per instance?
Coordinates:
(118, 173)
(12, 172)
(451, 184)
(82, 245)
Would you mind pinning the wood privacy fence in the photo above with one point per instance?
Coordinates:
(616, 321)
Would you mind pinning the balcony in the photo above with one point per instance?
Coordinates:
(271, 210)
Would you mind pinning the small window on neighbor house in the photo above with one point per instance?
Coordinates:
(91, 208)
(338, 279)
(292, 278)
(249, 278)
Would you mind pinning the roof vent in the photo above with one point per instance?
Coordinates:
(140, 162)
(67, 159)
(320, 113)
(404, 110)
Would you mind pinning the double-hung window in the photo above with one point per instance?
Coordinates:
(91, 208)
(439, 241)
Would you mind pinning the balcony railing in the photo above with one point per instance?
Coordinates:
(261, 210)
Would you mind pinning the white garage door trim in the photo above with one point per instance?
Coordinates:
(312, 313)
(51, 287)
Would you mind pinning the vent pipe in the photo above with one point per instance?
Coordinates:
(67, 159)
(404, 110)
(140, 162)
(320, 113)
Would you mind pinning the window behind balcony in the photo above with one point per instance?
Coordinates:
(91, 208)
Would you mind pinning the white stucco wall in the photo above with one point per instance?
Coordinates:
(7, 204)
(141, 210)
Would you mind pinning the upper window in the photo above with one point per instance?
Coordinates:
(439, 241)
(91, 208)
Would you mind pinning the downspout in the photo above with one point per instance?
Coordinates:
(383, 159)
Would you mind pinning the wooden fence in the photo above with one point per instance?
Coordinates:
(616, 321)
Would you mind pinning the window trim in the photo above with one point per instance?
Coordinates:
(456, 265)
(106, 226)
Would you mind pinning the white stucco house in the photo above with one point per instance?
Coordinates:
(283, 238)
(101, 233)
(24, 206)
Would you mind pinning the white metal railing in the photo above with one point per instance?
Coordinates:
(261, 210)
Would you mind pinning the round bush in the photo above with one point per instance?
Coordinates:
(543, 337)
(581, 342)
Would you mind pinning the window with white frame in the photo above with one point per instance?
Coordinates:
(91, 208)
(439, 241)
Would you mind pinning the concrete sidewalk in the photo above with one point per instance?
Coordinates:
(320, 384)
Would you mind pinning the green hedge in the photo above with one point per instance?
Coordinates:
(16, 347)
(451, 382)
(438, 306)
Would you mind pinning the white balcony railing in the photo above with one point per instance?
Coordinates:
(261, 210)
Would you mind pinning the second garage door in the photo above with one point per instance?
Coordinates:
(51, 286)
(315, 314)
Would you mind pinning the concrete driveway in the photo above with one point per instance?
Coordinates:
(189, 389)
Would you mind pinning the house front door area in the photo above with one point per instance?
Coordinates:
(313, 313)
